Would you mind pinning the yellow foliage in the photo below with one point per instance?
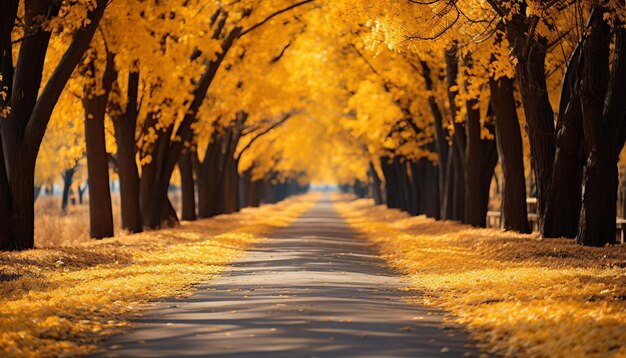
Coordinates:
(60, 301)
(517, 294)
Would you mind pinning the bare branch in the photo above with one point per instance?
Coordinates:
(261, 134)
(273, 15)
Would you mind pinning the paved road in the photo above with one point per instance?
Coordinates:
(314, 289)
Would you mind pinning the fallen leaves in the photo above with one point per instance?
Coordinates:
(519, 295)
(61, 301)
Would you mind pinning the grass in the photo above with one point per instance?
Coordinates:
(59, 301)
(518, 295)
(55, 228)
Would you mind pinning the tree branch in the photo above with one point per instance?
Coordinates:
(264, 132)
(50, 94)
(273, 15)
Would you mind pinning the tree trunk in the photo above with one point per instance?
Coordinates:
(245, 188)
(187, 184)
(447, 208)
(68, 178)
(562, 209)
(169, 217)
(30, 109)
(509, 141)
(94, 103)
(597, 218)
(488, 163)
(254, 200)
(404, 185)
(391, 188)
(154, 181)
(604, 120)
(125, 128)
(430, 190)
(207, 172)
(458, 188)
(230, 185)
(19, 234)
(441, 141)
(417, 184)
(377, 193)
(100, 209)
(81, 193)
(531, 76)
(473, 155)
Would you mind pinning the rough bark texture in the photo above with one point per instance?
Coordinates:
(154, 186)
(531, 76)
(155, 206)
(125, 127)
(604, 112)
(509, 140)
(442, 143)
(455, 181)
(562, 209)
(95, 100)
(473, 157)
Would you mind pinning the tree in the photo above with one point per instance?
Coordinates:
(27, 108)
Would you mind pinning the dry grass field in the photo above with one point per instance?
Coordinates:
(54, 228)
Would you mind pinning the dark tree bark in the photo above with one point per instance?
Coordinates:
(153, 190)
(432, 196)
(206, 177)
(30, 110)
(509, 141)
(245, 186)
(442, 143)
(217, 175)
(473, 156)
(391, 185)
(81, 192)
(447, 206)
(489, 161)
(530, 52)
(458, 188)
(230, 186)
(125, 123)
(602, 94)
(187, 184)
(416, 187)
(270, 188)
(68, 179)
(455, 184)
(404, 189)
(377, 193)
(154, 201)
(562, 209)
(95, 98)
(256, 191)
